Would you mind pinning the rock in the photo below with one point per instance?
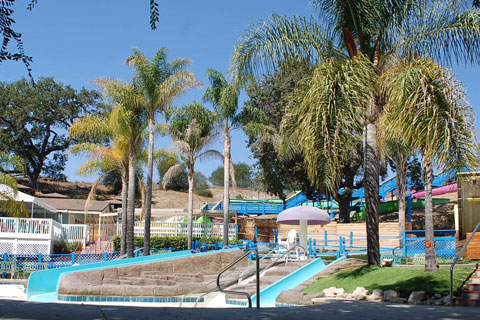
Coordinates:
(437, 302)
(438, 296)
(319, 301)
(416, 297)
(446, 300)
(377, 295)
(389, 295)
(398, 300)
(300, 298)
(339, 291)
(330, 292)
(386, 263)
(360, 293)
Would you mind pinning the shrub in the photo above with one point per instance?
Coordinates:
(62, 247)
(176, 243)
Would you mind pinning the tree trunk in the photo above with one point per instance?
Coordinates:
(131, 201)
(401, 188)
(33, 177)
(148, 196)
(226, 183)
(124, 212)
(191, 175)
(371, 185)
(427, 176)
(344, 206)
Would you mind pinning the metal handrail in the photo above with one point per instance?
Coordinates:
(198, 290)
(246, 254)
(211, 282)
(404, 245)
(456, 260)
(239, 277)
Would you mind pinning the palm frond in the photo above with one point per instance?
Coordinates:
(280, 39)
(327, 114)
(172, 172)
(428, 106)
(443, 31)
(93, 193)
(209, 154)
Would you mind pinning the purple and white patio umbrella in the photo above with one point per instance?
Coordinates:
(303, 216)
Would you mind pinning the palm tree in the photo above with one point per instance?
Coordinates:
(191, 132)
(224, 98)
(370, 30)
(106, 159)
(126, 121)
(398, 152)
(428, 107)
(161, 82)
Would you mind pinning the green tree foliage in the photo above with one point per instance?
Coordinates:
(243, 176)
(353, 42)
(33, 121)
(428, 106)
(277, 175)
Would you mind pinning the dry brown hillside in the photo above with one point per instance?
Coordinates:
(161, 199)
(175, 199)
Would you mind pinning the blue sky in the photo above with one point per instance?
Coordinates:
(79, 41)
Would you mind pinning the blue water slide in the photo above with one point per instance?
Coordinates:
(270, 293)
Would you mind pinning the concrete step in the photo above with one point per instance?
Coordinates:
(464, 302)
(472, 287)
(468, 294)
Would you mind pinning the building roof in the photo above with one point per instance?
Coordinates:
(76, 204)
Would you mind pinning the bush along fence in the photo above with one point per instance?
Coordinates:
(175, 242)
(199, 229)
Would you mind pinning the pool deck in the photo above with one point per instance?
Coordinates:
(14, 309)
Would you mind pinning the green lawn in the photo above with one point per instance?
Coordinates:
(404, 280)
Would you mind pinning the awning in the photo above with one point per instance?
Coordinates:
(23, 197)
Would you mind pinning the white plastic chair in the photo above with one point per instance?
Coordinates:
(289, 243)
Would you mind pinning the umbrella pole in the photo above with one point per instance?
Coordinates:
(303, 233)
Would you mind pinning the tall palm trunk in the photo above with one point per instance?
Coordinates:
(191, 175)
(371, 184)
(427, 176)
(226, 182)
(148, 197)
(124, 212)
(131, 200)
(401, 188)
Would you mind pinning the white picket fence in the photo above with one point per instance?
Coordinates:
(33, 236)
(164, 229)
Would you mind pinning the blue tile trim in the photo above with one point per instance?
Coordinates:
(148, 299)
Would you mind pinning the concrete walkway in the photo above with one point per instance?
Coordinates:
(11, 309)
